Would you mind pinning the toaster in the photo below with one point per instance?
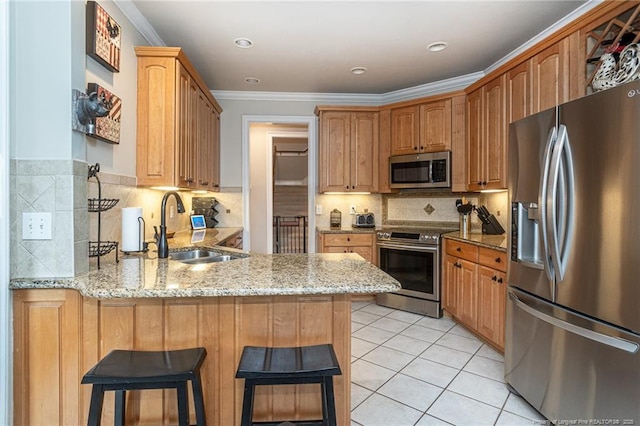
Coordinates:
(363, 220)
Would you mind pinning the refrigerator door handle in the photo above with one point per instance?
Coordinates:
(614, 342)
(542, 205)
(560, 204)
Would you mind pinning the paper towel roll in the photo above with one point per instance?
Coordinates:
(132, 230)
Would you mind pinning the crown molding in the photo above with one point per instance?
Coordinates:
(334, 98)
(586, 7)
(138, 20)
(432, 89)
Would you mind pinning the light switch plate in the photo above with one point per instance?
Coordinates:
(36, 226)
(319, 209)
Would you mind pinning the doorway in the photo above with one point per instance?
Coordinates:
(264, 180)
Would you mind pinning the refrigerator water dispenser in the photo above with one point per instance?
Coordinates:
(526, 245)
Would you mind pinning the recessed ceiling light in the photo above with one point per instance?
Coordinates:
(437, 46)
(252, 80)
(358, 70)
(243, 43)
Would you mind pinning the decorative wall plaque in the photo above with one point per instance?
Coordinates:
(103, 37)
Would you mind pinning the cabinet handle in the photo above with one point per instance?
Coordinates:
(498, 260)
(348, 239)
(415, 148)
(215, 185)
(189, 180)
(458, 249)
(494, 278)
(500, 280)
(204, 183)
(421, 148)
(457, 265)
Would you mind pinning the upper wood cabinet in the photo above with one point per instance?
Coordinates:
(349, 150)
(487, 136)
(518, 92)
(405, 130)
(421, 128)
(550, 82)
(178, 125)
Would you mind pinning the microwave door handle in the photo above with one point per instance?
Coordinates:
(542, 205)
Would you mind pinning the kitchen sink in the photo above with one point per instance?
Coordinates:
(199, 256)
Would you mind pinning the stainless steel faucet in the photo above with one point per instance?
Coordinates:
(163, 245)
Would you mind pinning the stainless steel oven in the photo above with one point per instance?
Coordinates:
(412, 256)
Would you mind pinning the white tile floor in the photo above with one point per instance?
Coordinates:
(407, 369)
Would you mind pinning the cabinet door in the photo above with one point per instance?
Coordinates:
(364, 152)
(518, 92)
(468, 293)
(191, 156)
(205, 153)
(475, 129)
(494, 146)
(335, 151)
(549, 72)
(458, 145)
(435, 126)
(156, 117)
(450, 280)
(405, 128)
(215, 173)
(184, 122)
(491, 304)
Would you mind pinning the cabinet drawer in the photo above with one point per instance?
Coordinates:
(348, 239)
(493, 259)
(364, 251)
(462, 250)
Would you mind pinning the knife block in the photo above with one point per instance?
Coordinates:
(492, 227)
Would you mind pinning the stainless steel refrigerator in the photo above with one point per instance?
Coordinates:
(573, 300)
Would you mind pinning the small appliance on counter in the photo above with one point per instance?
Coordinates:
(363, 220)
(335, 218)
(490, 224)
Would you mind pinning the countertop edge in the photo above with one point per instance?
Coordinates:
(494, 242)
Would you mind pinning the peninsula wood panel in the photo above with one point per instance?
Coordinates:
(46, 345)
(60, 335)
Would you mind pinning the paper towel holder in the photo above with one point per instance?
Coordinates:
(143, 246)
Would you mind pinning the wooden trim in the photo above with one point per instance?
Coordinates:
(345, 108)
(412, 102)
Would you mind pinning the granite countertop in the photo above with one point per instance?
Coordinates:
(496, 242)
(144, 275)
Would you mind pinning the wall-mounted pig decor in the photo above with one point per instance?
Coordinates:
(97, 113)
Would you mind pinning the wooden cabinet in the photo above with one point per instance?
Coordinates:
(518, 92)
(178, 123)
(362, 244)
(550, 82)
(421, 128)
(474, 285)
(349, 150)
(487, 137)
(458, 144)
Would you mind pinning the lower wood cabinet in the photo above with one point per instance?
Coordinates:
(360, 243)
(474, 285)
(59, 335)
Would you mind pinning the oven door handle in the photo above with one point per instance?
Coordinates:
(407, 247)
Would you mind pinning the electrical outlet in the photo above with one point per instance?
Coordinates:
(36, 226)
(352, 210)
(319, 209)
(228, 211)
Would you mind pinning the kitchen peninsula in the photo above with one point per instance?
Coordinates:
(62, 327)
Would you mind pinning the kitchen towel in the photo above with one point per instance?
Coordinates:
(132, 229)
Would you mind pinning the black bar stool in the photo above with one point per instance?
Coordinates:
(289, 366)
(121, 371)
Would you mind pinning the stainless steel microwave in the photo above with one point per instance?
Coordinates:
(427, 170)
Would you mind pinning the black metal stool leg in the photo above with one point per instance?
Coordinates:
(95, 408)
(198, 400)
(247, 403)
(119, 413)
(327, 386)
(183, 404)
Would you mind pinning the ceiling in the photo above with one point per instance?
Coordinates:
(311, 46)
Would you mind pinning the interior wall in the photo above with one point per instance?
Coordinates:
(117, 158)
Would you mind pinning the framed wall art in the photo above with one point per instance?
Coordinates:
(103, 37)
(107, 127)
